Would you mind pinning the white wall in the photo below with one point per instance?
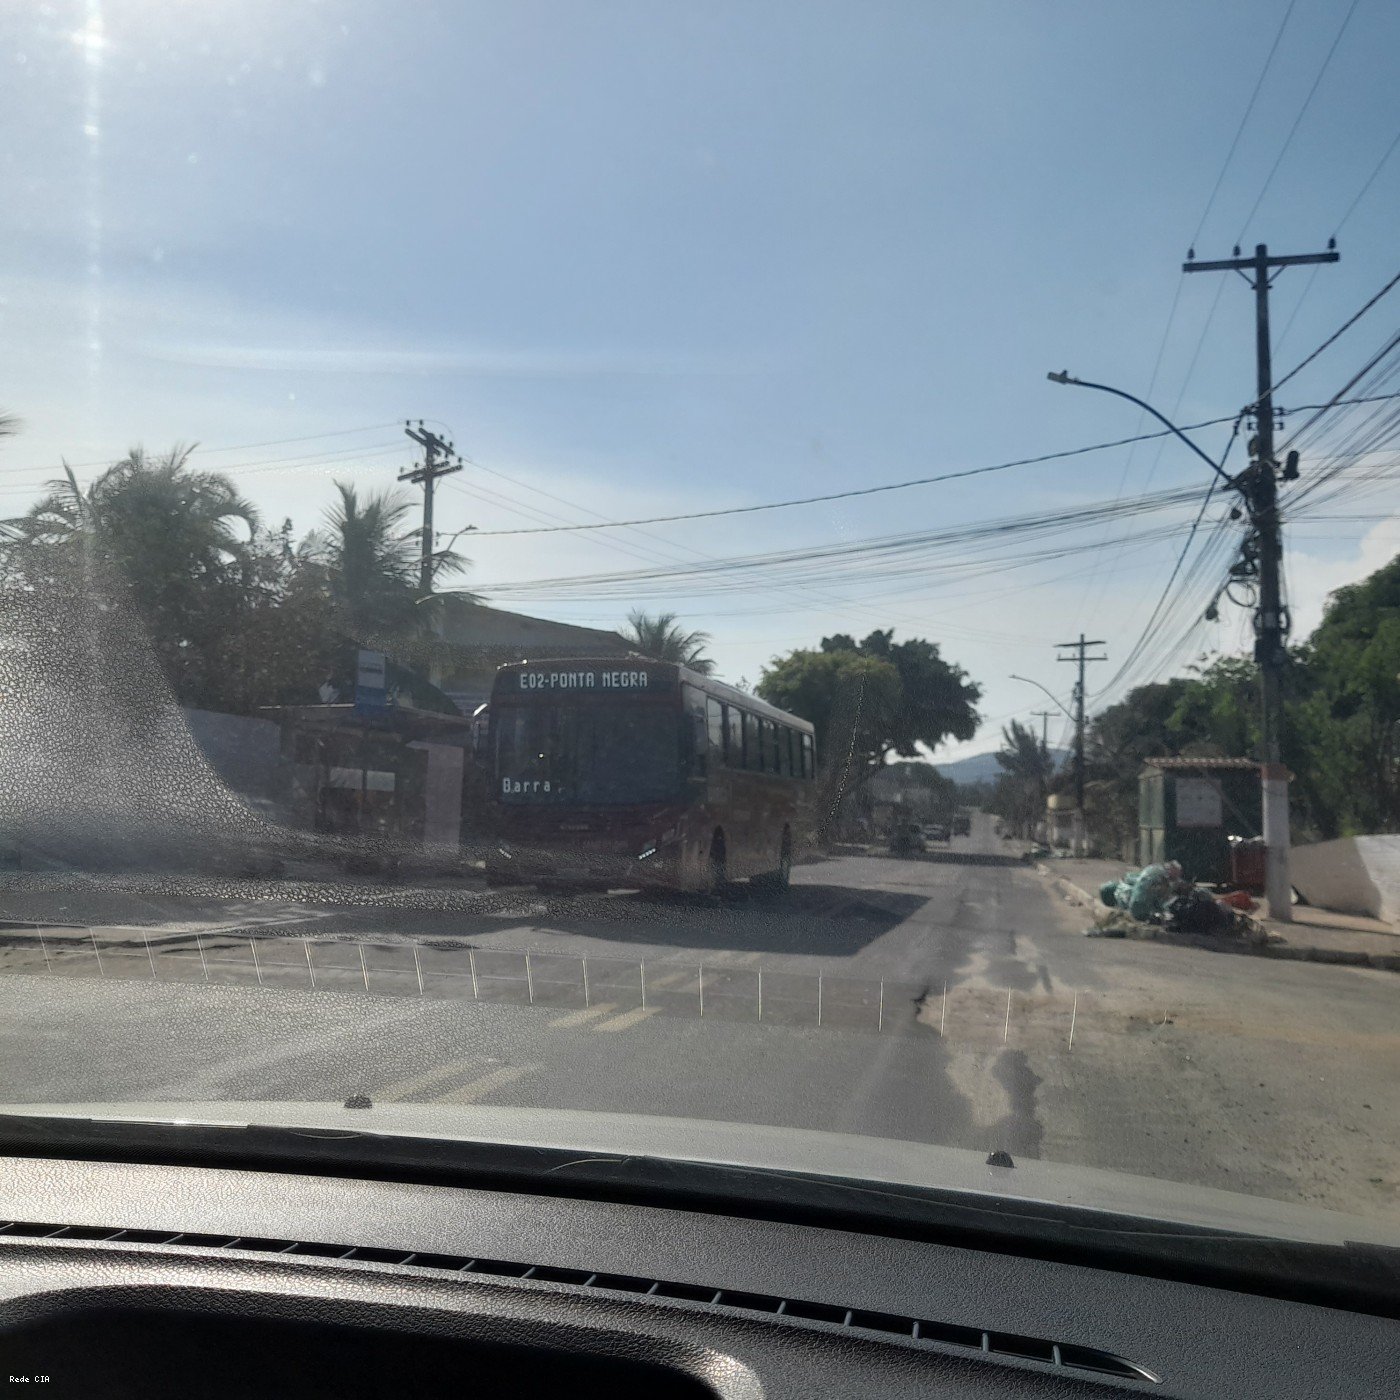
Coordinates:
(1356, 875)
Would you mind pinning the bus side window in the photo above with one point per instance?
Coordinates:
(773, 732)
(733, 737)
(785, 751)
(753, 752)
(714, 723)
(807, 756)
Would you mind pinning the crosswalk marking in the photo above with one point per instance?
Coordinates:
(415, 1084)
(628, 1018)
(578, 1018)
(479, 1088)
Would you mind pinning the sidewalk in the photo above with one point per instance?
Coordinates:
(1315, 935)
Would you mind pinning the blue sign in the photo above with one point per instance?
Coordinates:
(371, 689)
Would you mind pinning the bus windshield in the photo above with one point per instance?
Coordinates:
(588, 753)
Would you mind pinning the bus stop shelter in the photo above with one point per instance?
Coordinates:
(393, 772)
(1188, 808)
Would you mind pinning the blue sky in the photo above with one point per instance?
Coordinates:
(658, 258)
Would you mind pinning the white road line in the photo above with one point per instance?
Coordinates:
(577, 1018)
(488, 1083)
(670, 979)
(415, 1084)
(627, 1019)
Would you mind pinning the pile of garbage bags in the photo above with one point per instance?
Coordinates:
(1161, 894)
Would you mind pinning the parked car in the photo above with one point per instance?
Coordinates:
(937, 831)
(962, 824)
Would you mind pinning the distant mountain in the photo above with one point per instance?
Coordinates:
(983, 767)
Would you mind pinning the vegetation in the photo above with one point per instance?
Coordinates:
(236, 616)
(868, 700)
(661, 638)
(1027, 771)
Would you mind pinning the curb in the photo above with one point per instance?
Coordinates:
(1286, 952)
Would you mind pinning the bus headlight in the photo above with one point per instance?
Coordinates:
(648, 853)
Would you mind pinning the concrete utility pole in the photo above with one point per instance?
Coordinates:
(433, 448)
(1080, 658)
(1259, 487)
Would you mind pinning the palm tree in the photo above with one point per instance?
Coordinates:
(151, 534)
(1028, 768)
(374, 561)
(662, 639)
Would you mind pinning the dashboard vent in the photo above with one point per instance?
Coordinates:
(1062, 1356)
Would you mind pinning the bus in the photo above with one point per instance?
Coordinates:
(628, 772)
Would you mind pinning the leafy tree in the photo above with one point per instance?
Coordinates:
(662, 638)
(868, 700)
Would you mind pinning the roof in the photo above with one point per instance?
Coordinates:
(1196, 765)
(468, 624)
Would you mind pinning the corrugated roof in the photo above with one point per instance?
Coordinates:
(1198, 763)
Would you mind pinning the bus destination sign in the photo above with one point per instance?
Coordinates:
(591, 680)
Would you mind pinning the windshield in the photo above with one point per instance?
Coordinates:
(576, 754)
(809, 567)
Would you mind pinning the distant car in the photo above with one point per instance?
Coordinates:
(962, 824)
(936, 831)
(907, 838)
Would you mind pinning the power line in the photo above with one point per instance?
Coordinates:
(1297, 122)
(1239, 130)
(863, 491)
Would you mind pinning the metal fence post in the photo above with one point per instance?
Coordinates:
(819, 998)
(702, 989)
(44, 949)
(880, 1015)
(586, 1002)
(257, 966)
(471, 963)
(310, 966)
(97, 952)
(364, 968)
(760, 993)
(203, 961)
(150, 957)
(644, 984)
(529, 979)
(418, 968)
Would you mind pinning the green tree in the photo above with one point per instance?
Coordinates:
(869, 700)
(1027, 769)
(170, 542)
(663, 639)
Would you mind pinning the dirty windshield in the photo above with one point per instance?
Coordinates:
(805, 567)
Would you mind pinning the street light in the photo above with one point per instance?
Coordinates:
(1065, 377)
(1051, 694)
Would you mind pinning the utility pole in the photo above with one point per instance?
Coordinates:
(1271, 622)
(433, 448)
(1044, 716)
(1080, 658)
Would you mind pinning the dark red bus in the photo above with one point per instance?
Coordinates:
(631, 772)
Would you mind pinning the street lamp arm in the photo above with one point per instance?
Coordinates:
(1038, 686)
(1065, 377)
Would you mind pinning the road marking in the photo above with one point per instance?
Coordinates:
(671, 978)
(479, 1088)
(627, 1019)
(415, 1084)
(577, 1018)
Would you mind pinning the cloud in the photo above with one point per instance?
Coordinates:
(1313, 578)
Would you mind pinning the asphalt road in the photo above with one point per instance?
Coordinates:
(935, 999)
